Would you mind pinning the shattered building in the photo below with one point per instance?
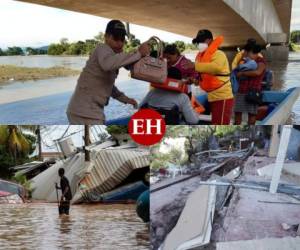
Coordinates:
(248, 199)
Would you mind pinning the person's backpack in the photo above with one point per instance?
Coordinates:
(234, 82)
(171, 116)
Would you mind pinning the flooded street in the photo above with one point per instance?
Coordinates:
(38, 226)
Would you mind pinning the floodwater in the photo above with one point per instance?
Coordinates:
(38, 226)
(45, 101)
(45, 61)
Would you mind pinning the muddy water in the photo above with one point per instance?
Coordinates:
(45, 101)
(38, 226)
(287, 76)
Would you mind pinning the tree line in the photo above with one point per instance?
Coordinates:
(295, 40)
(83, 48)
(18, 51)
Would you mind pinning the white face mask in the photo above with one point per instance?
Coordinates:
(202, 47)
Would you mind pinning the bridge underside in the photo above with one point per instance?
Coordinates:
(223, 17)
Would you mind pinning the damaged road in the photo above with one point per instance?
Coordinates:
(244, 212)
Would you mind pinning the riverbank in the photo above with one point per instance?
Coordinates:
(295, 47)
(10, 73)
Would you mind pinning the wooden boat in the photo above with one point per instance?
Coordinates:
(283, 102)
(277, 106)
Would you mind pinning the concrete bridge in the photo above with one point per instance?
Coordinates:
(266, 20)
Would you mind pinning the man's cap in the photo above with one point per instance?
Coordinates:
(116, 28)
(202, 36)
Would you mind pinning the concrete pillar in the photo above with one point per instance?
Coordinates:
(279, 49)
(283, 146)
(277, 38)
(277, 53)
(275, 140)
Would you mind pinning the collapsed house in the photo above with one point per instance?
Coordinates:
(245, 199)
(32, 169)
(112, 174)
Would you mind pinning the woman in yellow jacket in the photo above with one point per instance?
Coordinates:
(213, 66)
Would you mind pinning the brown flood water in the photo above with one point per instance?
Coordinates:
(38, 226)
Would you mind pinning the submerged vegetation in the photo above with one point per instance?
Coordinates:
(15, 73)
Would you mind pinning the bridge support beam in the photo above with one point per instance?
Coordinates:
(279, 50)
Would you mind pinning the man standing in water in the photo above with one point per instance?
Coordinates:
(66, 194)
(96, 83)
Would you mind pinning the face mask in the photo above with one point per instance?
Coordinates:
(202, 47)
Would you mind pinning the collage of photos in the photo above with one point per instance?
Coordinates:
(160, 125)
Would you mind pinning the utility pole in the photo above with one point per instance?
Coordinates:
(38, 133)
(128, 31)
(281, 155)
(86, 142)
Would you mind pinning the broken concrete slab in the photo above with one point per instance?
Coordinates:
(248, 219)
(253, 163)
(234, 173)
(194, 226)
(166, 206)
(255, 185)
(262, 244)
(238, 154)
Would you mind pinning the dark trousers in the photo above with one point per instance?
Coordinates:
(64, 207)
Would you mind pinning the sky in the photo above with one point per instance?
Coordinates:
(51, 133)
(24, 24)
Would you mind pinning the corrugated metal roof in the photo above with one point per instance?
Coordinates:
(111, 167)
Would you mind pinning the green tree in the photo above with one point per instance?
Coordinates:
(55, 49)
(90, 45)
(76, 48)
(31, 51)
(2, 53)
(295, 37)
(132, 44)
(180, 46)
(15, 147)
(117, 129)
(22, 180)
(14, 51)
(190, 46)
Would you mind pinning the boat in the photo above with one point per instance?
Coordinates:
(9, 198)
(11, 193)
(276, 109)
(283, 103)
(127, 193)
